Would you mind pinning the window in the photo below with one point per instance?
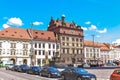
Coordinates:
(35, 52)
(63, 44)
(39, 45)
(12, 52)
(68, 51)
(73, 44)
(0, 44)
(63, 51)
(67, 44)
(76, 39)
(43, 45)
(13, 45)
(35, 45)
(53, 46)
(80, 40)
(73, 39)
(43, 52)
(67, 38)
(49, 52)
(24, 52)
(39, 52)
(25, 45)
(63, 38)
(0, 51)
(49, 46)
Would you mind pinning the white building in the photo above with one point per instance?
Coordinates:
(91, 52)
(15, 45)
(44, 45)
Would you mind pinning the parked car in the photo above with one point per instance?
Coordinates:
(115, 75)
(50, 72)
(77, 74)
(15, 68)
(23, 68)
(110, 64)
(34, 70)
(9, 66)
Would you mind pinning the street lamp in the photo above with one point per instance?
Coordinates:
(31, 51)
(93, 48)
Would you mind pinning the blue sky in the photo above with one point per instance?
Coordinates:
(98, 17)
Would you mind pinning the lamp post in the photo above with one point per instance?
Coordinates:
(31, 51)
(93, 48)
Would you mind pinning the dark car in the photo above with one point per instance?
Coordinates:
(23, 68)
(15, 68)
(50, 72)
(33, 70)
(77, 74)
(9, 66)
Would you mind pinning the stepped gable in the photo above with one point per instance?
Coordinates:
(14, 33)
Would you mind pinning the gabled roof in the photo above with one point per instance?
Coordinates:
(14, 33)
(42, 35)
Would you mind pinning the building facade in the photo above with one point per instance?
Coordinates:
(15, 46)
(91, 51)
(70, 38)
(44, 46)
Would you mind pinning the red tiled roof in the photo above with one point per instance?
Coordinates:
(67, 24)
(90, 43)
(43, 35)
(14, 33)
(103, 46)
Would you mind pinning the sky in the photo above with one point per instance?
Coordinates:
(100, 18)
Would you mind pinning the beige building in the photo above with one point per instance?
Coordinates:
(70, 38)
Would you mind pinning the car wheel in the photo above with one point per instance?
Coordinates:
(79, 78)
(49, 75)
(63, 77)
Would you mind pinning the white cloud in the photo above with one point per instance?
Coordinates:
(102, 31)
(5, 26)
(88, 22)
(37, 23)
(117, 42)
(15, 21)
(92, 27)
(84, 28)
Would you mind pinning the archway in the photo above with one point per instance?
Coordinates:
(13, 60)
(24, 61)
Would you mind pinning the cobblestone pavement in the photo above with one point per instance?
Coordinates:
(102, 74)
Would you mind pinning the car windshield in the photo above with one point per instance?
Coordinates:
(53, 69)
(80, 70)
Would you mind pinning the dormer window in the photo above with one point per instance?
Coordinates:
(36, 32)
(15, 32)
(48, 38)
(12, 35)
(42, 33)
(3, 34)
(21, 36)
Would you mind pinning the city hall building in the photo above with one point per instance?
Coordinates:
(70, 36)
